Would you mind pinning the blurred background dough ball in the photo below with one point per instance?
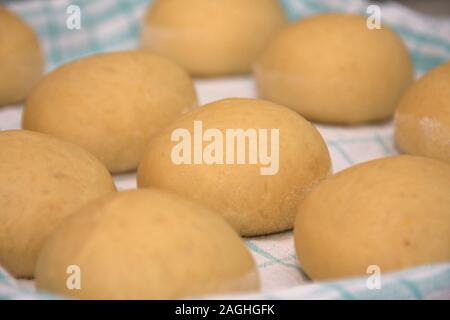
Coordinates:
(422, 121)
(146, 244)
(42, 181)
(258, 196)
(21, 61)
(210, 38)
(110, 104)
(393, 213)
(332, 68)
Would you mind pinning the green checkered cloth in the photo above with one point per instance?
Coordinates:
(427, 282)
(114, 24)
(109, 25)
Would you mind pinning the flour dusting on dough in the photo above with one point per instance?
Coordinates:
(433, 130)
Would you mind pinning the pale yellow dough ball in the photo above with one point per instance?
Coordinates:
(146, 244)
(42, 181)
(21, 60)
(210, 38)
(245, 170)
(422, 120)
(393, 213)
(331, 68)
(110, 104)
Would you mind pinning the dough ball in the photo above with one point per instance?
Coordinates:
(110, 104)
(256, 162)
(393, 213)
(21, 61)
(422, 121)
(42, 181)
(210, 38)
(146, 244)
(332, 68)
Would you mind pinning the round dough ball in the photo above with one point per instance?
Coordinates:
(146, 244)
(42, 181)
(332, 68)
(210, 38)
(258, 196)
(422, 120)
(393, 213)
(110, 104)
(21, 61)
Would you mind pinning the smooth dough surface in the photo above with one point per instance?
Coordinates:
(422, 119)
(42, 181)
(21, 60)
(146, 244)
(393, 213)
(110, 104)
(253, 203)
(331, 68)
(210, 38)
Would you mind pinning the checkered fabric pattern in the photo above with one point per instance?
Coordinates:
(114, 24)
(109, 25)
